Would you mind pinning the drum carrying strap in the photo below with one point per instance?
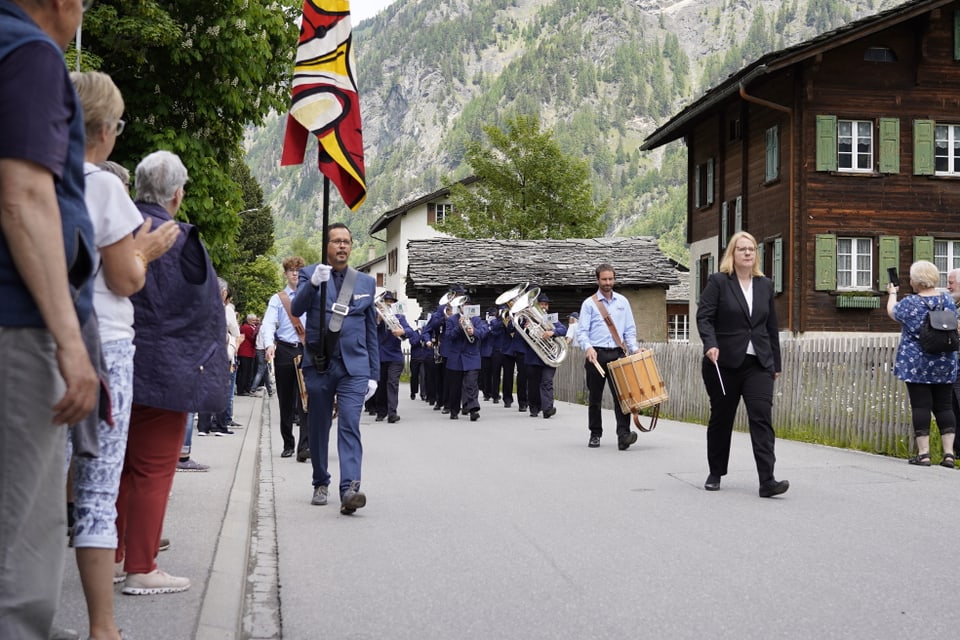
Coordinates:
(609, 322)
(616, 338)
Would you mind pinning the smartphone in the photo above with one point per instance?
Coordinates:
(892, 274)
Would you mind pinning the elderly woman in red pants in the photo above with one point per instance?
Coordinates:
(180, 366)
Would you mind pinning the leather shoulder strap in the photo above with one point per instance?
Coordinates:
(609, 322)
(294, 320)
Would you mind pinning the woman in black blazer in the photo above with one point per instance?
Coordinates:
(737, 321)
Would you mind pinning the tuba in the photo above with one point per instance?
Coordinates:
(532, 324)
(386, 313)
(456, 304)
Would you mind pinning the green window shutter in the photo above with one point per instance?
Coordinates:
(696, 187)
(826, 262)
(956, 35)
(923, 147)
(826, 143)
(698, 285)
(777, 265)
(889, 145)
(773, 154)
(761, 252)
(923, 248)
(889, 256)
(710, 181)
(738, 215)
(723, 225)
(711, 262)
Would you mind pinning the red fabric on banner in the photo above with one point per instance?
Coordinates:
(325, 101)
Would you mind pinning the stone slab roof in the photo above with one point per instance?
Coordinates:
(435, 263)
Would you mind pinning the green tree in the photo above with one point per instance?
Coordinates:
(527, 188)
(193, 74)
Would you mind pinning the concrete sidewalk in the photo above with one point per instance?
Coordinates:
(510, 527)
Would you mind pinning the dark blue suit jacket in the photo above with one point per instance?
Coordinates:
(359, 346)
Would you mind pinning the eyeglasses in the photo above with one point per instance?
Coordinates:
(120, 126)
(746, 249)
(86, 4)
(341, 243)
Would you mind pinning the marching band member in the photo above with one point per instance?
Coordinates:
(513, 355)
(601, 346)
(391, 362)
(540, 374)
(463, 363)
(486, 359)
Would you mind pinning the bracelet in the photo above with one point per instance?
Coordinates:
(142, 258)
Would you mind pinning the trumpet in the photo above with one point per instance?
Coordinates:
(456, 304)
(532, 324)
(386, 313)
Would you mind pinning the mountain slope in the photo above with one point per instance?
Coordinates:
(601, 73)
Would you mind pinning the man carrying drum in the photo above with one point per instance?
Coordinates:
(602, 344)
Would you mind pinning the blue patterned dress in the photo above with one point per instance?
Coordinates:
(913, 363)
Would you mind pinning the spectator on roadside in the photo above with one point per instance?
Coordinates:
(262, 377)
(929, 377)
(46, 267)
(180, 366)
(572, 327)
(737, 320)
(121, 272)
(247, 355)
(953, 285)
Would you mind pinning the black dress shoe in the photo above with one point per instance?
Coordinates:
(594, 442)
(772, 488)
(413, 396)
(534, 414)
(381, 418)
(627, 440)
(712, 483)
(445, 411)
(549, 413)
(496, 401)
(393, 418)
(303, 456)
(507, 405)
(286, 453)
(437, 407)
(474, 416)
(522, 408)
(454, 416)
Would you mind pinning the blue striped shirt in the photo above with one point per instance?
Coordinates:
(592, 331)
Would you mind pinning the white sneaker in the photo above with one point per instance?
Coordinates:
(119, 575)
(155, 582)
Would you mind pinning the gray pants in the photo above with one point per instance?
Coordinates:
(33, 521)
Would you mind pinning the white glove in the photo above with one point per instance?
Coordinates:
(371, 389)
(320, 275)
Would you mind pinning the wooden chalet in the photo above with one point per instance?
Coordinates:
(563, 269)
(841, 155)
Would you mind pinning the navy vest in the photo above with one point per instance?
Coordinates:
(18, 308)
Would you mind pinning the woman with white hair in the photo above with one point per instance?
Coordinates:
(180, 367)
(929, 376)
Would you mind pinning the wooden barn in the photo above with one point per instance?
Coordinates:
(563, 269)
(841, 155)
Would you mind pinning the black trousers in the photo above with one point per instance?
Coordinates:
(754, 384)
(511, 360)
(288, 395)
(431, 381)
(416, 373)
(540, 387)
(595, 386)
(388, 390)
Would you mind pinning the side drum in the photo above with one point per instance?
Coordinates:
(638, 384)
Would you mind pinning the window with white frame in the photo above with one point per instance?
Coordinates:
(443, 210)
(946, 149)
(679, 328)
(854, 263)
(854, 145)
(946, 255)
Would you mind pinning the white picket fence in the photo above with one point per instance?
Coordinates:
(836, 391)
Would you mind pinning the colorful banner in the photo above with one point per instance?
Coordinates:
(325, 101)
